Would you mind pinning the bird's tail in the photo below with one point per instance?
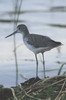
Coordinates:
(56, 44)
(59, 44)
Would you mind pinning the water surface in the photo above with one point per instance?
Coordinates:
(37, 17)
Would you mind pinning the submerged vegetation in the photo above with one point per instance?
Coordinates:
(9, 20)
(57, 25)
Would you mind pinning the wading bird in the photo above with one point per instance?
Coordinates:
(36, 43)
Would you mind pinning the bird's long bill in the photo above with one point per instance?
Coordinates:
(11, 34)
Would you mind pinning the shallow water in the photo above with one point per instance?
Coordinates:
(37, 22)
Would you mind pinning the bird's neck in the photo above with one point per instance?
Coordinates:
(25, 33)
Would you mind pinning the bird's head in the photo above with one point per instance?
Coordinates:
(20, 29)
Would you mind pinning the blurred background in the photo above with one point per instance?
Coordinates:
(45, 17)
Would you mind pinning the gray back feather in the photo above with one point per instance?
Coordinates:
(41, 41)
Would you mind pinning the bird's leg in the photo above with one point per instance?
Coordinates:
(43, 65)
(36, 65)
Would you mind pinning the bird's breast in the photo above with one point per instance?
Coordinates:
(30, 47)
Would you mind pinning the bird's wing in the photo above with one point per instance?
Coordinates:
(39, 41)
